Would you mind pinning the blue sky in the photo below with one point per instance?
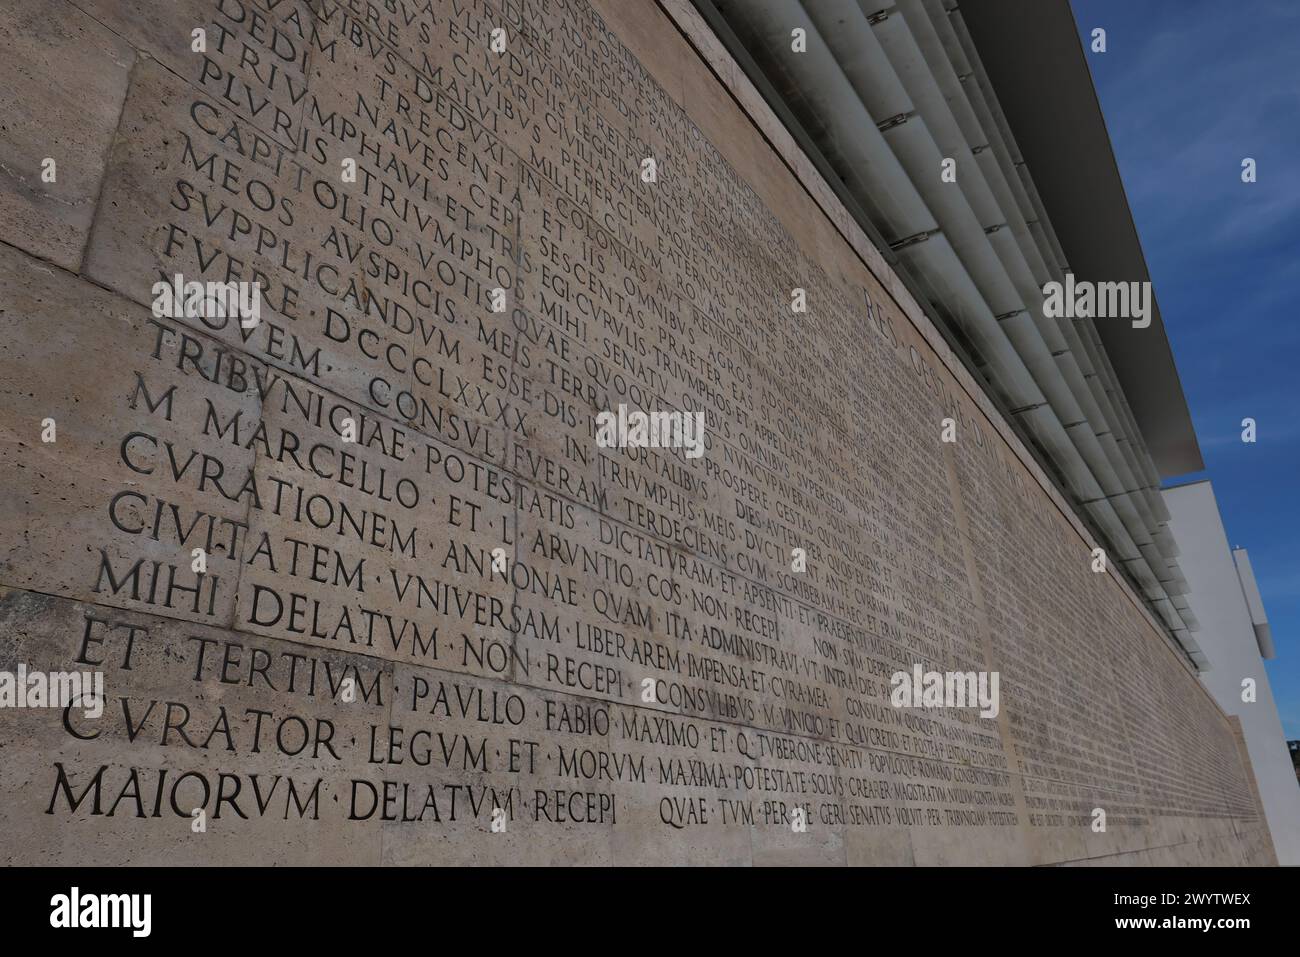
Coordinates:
(1188, 89)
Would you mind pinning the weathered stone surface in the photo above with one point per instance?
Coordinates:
(112, 508)
(610, 645)
(64, 78)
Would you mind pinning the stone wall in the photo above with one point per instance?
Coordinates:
(351, 678)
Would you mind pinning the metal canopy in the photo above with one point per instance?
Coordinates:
(1032, 54)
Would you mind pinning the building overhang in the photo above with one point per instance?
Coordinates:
(1035, 61)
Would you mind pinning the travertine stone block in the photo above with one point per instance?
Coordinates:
(64, 78)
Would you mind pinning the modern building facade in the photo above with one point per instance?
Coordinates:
(1236, 641)
(1000, 92)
